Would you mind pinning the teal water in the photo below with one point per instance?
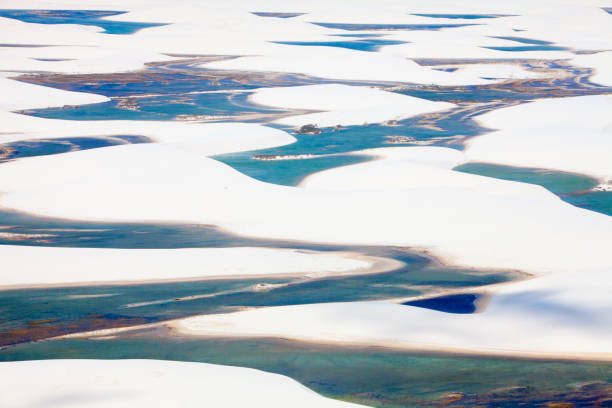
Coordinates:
(82, 17)
(575, 189)
(388, 27)
(462, 16)
(284, 172)
(369, 44)
(43, 147)
(163, 107)
(72, 309)
(524, 40)
(600, 201)
(336, 142)
(371, 376)
(71, 233)
(277, 15)
(529, 48)
(557, 182)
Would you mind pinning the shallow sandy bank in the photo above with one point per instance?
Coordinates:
(345, 105)
(558, 316)
(27, 266)
(485, 225)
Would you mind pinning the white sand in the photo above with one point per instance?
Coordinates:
(205, 138)
(20, 95)
(568, 134)
(559, 314)
(411, 198)
(149, 383)
(193, 29)
(485, 224)
(567, 315)
(345, 105)
(25, 265)
(344, 64)
(601, 63)
(208, 139)
(415, 167)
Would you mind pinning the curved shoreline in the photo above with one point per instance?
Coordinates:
(173, 330)
(377, 265)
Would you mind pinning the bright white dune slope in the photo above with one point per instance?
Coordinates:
(561, 315)
(193, 29)
(484, 225)
(149, 383)
(20, 95)
(469, 220)
(601, 63)
(346, 105)
(568, 134)
(564, 313)
(53, 266)
(209, 139)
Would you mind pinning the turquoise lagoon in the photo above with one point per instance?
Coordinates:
(373, 376)
(575, 189)
(377, 377)
(36, 313)
(81, 17)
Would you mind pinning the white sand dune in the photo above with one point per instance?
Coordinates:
(25, 265)
(416, 167)
(20, 95)
(561, 315)
(568, 134)
(149, 383)
(525, 228)
(601, 63)
(411, 198)
(205, 138)
(193, 29)
(344, 64)
(344, 105)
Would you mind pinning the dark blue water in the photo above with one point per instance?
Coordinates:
(372, 27)
(446, 69)
(357, 35)
(82, 17)
(524, 40)
(277, 15)
(529, 48)
(371, 44)
(461, 303)
(462, 16)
